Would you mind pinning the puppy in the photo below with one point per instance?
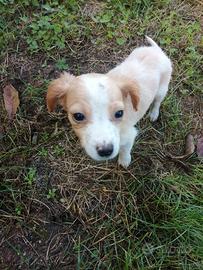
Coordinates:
(104, 108)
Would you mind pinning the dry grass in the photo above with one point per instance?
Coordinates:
(61, 210)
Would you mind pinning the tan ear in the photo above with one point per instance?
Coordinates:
(57, 91)
(131, 88)
(128, 87)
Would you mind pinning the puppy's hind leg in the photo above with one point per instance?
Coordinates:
(163, 89)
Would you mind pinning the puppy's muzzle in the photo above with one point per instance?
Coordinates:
(105, 150)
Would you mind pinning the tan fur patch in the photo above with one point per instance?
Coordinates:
(128, 88)
(57, 91)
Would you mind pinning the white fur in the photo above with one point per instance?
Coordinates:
(147, 68)
(151, 69)
(101, 130)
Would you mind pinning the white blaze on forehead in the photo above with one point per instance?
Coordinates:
(100, 130)
(98, 96)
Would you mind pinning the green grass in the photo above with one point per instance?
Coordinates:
(58, 208)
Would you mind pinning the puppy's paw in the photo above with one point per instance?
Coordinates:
(124, 160)
(154, 114)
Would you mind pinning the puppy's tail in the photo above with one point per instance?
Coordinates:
(152, 42)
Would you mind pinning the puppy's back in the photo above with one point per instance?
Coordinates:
(151, 56)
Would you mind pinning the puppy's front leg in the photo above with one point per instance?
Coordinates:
(127, 141)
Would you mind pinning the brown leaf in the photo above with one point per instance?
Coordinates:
(11, 100)
(189, 148)
(200, 147)
(189, 145)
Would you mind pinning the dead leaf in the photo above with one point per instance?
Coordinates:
(200, 147)
(189, 145)
(11, 100)
(189, 148)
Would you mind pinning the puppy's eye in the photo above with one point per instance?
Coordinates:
(79, 117)
(119, 114)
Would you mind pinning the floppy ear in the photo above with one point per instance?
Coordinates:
(131, 88)
(57, 91)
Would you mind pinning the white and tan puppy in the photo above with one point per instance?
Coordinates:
(104, 108)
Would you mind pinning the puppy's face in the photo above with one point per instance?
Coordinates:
(95, 107)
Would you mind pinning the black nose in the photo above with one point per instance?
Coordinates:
(105, 150)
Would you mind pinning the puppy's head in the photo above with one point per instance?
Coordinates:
(95, 104)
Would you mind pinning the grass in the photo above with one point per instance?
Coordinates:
(58, 208)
